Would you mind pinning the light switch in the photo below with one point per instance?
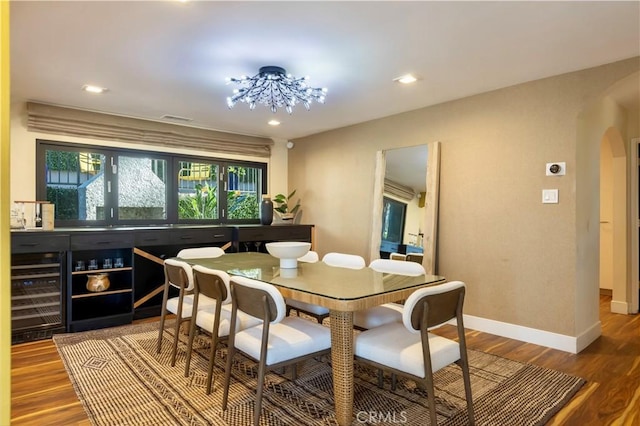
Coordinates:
(550, 196)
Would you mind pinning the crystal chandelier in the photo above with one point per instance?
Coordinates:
(273, 87)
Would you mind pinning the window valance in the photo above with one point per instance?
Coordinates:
(398, 190)
(75, 122)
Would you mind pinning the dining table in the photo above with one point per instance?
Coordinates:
(342, 290)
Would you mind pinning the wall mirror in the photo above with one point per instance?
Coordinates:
(408, 177)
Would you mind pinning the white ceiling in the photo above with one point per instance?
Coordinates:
(408, 166)
(168, 57)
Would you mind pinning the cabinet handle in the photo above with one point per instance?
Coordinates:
(29, 244)
(218, 235)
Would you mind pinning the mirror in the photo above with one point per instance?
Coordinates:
(405, 202)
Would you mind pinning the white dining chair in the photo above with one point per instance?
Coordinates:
(397, 256)
(310, 257)
(278, 341)
(213, 284)
(178, 275)
(409, 349)
(415, 257)
(316, 311)
(388, 312)
(200, 252)
(344, 260)
(339, 260)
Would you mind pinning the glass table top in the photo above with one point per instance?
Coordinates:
(315, 278)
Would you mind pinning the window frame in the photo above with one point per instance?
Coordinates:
(172, 160)
(400, 205)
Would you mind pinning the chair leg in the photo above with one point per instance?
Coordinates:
(192, 334)
(227, 374)
(431, 398)
(258, 403)
(175, 340)
(163, 313)
(394, 381)
(464, 365)
(212, 359)
(161, 331)
(380, 378)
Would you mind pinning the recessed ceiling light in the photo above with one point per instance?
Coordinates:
(93, 89)
(406, 79)
(273, 123)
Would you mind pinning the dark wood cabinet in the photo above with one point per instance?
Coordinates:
(134, 266)
(252, 238)
(38, 242)
(97, 253)
(38, 273)
(153, 246)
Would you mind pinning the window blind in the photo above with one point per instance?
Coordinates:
(75, 122)
(398, 190)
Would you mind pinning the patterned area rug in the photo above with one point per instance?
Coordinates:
(122, 381)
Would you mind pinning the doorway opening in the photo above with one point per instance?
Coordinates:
(614, 220)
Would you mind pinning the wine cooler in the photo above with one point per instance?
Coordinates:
(37, 296)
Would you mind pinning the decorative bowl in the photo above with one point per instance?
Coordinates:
(288, 252)
(98, 282)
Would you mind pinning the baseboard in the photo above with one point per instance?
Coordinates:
(618, 307)
(586, 338)
(531, 335)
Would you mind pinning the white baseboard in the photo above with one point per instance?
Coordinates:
(531, 335)
(618, 307)
(586, 338)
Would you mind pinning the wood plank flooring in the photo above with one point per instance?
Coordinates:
(42, 394)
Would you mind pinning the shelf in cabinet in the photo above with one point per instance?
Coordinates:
(100, 293)
(101, 271)
(35, 276)
(35, 266)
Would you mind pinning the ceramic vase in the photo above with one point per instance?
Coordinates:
(266, 210)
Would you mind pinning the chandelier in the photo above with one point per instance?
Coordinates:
(274, 88)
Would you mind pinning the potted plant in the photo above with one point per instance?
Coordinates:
(282, 206)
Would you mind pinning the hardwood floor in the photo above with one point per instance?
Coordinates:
(42, 394)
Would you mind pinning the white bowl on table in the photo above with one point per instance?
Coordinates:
(288, 252)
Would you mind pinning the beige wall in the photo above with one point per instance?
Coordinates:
(525, 263)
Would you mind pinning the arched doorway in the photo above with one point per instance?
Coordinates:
(614, 254)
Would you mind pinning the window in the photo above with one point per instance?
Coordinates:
(93, 185)
(197, 190)
(141, 188)
(393, 215)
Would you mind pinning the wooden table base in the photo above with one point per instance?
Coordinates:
(342, 365)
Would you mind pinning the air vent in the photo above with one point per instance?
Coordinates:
(177, 118)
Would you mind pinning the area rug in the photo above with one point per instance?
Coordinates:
(121, 380)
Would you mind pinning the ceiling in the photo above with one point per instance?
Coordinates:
(408, 166)
(172, 58)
